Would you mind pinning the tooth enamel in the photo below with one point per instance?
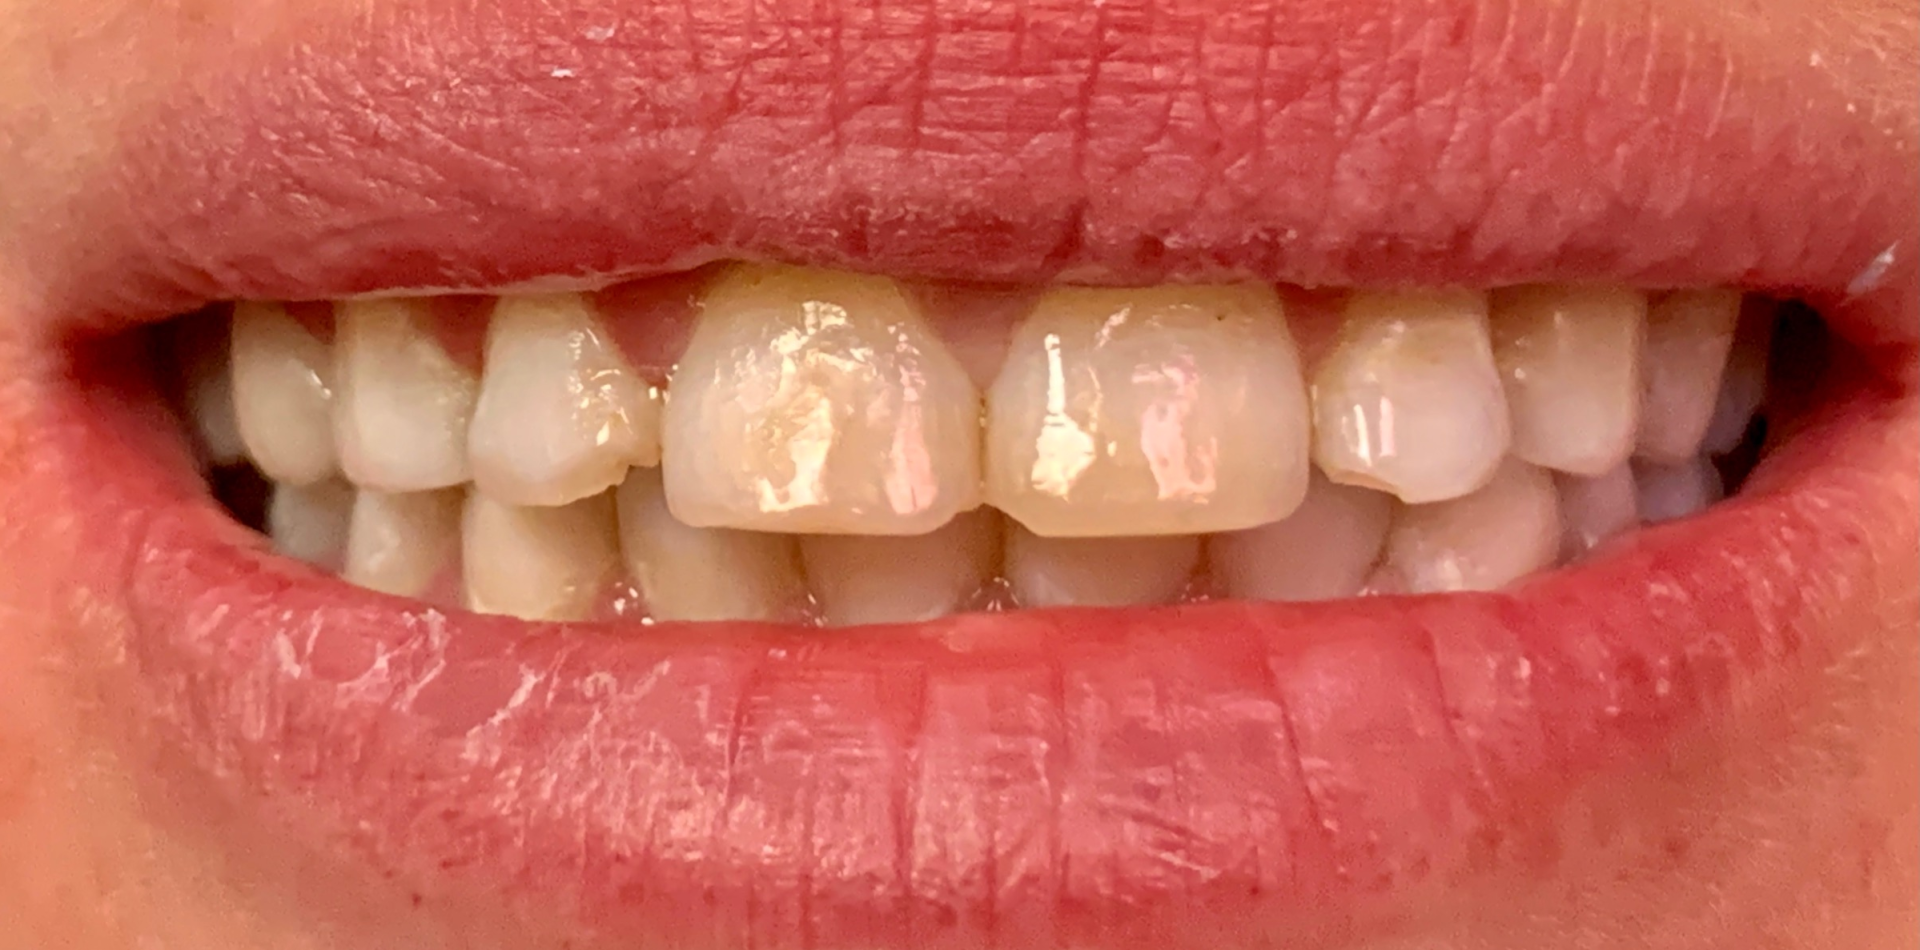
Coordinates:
(560, 415)
(866, 580)
(1324, 550)
(1743, 387)
(1595, 509)
(688, 573)
(1671, 491)
(1164, 410)
(1689, 333)
(1408, 400)
(201, 349)
(819, 403)
(282, 394)
(401, 543)
(310, 522)
(401, 406)
(545, 563)
(1570, 357)
(1098, 572)
(1506, 530)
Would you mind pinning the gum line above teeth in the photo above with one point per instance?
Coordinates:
(850, 448)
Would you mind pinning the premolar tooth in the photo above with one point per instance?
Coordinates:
(1324, 550)
(546, 563)
(1743, 387)
(402, 404)
(1596, 508)
(1506, 530)
(1676, 490)
(401, 543)
(821, 403)
(310, 522)
(688, 573)
(867, 580)
(1570, 357)
(1689, 333)
(202, 350)
(1164, 410)
(1099, 572)
(283, 394)
(1408, 399)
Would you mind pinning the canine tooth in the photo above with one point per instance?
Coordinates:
(1098, 572)
(402, 404)
(1743, 387)
(1570, 357)
(1408, 399)
(282, 394)
(545, 563)
(560, 415)
(864, 580)
(819, 403)
(310, 522)
(1596, 508)
(1506, 530)
(202, 349)
(688, 573)
(400, 543)
(1163, 410)
(1689, 334)
(1672, 491)
(1324, 550)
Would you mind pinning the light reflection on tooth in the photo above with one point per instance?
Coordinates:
(401, 543)
(402, 405)
(283, 394)
(867, 580)
(1098, 572)
(201, 350)
(1162, 410)
(1570, 358)
(1689, 334)
(1506, 530)
(1324, 550)
(1595, 509)
(310, 522)
(1668, 492)
(560, 414)
(688, 573)
(547, 563)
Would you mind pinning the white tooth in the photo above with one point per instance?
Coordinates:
(402, 543)
(1408, 399)
(1688, 335)
(816, 402)
(1324, 550)
(1571, 360)
(283, 394)
(1483, 541)
(310, 522)
(1595, 509)
(688, 573)
(547, 563)
(1162, 410)
(560, 415)
(1676, 490)
(1744, 385)
(863, 580)
(1099, 572)
(201, 348)
(402, 404)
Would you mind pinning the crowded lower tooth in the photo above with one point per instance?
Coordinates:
(310, 522)
(1669, 491)
(1689, 334)
(1098, 572)
(1408, 399)
(1324, 550)
(1507, 529)
(402, 405)
(538, 563)
(866, 580)
(402, 543)
(202, 351)
(1165, 410)
(1570, 357)
(283, 394)
(817, 402)
(688, 573)
(1596, 508)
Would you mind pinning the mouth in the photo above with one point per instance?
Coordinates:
(861, 500)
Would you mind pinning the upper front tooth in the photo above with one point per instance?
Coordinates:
(1688, 335)
(548, 563)
(1165, 410)
(1571, 360)
(1408, 399)
(820, 403)
(283, 394)
(402, 407)
(1499, 534)
(560, 415)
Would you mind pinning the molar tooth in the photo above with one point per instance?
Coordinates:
(868, 580)
(560, 415)
(400, 543)
(1506, 530)
(1571, 360)
(821, 403)
(1324, 550)
(1689, 334)
(1672, 491)
(310, 522)
(1596, 508)
(688, 573)
(283, 394)
(202, 349)
(402, 404)
(1408, 399)
(1162, 410)
(547, 563)
(1099, 572)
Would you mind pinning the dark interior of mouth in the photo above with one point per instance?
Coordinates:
(585, 455)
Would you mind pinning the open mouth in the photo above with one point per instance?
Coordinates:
(1124, 550)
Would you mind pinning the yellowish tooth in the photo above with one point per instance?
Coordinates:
(1506, 530)
(1570, 356)
(1099, 572)
(311, 522)
(283, 394)
(1408, 400)
(869, 580)
(1689, 334)
(401, 543)
(1160, 410)
(1595, 509)
(820, 403)
(1324, 550)
(560, 415)
(402, 405)
(1668, 492)
(547, 563)
(688, 573)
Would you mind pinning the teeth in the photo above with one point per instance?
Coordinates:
(561, 415)
(402, 406)
(1324, 550)
(1099, 572)
(310, 522)
(688, 573)
(902, 579)
(402, 543)
(819, 403)
(1167, 410)
(283, 394)
(1570, 357)
(1595, 509)
(1483, 541)
(1672, 491)
(1688, 335)
(201, 350)
(1409, 400)
(1744, 385)
(549, 563)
